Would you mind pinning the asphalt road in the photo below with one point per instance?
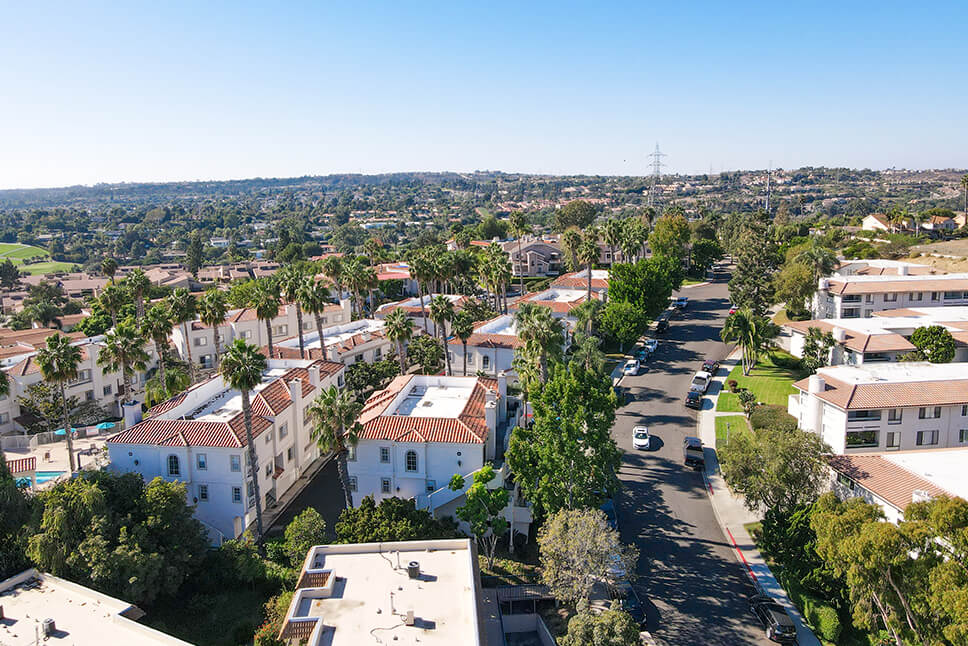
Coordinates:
(690, 581)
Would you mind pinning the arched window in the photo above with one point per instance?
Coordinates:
(173, 468)
(411, 460)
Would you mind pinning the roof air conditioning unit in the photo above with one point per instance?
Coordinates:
(49, 627)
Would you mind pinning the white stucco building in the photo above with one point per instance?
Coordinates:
(561, 301)
(363, 340)
(412, 307)
(861, 295)
(491, 347)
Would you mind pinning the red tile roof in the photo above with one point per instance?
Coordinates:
(884, 478)
(189, 432)
(887, 394)
(578, 279)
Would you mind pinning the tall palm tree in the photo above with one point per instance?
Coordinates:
(45, 313)
(212, 310)
(355, 278)
(265, 301)
(157, 325)
(335, 429)
(113, 297)
(821, 261)
(333, 269)
(314, 297)
(463, 327)
(586, 351)
(633, 236)
(139, 285)
(527, 365)
(291, 280)
(58, 361)
(751, 332)
(442, 311)
(398, 329)
(612, 235)
(182, 306)
(370, 283)
(109, 267)
(570, 241)
(124, 351)
(242, 368)
(541, 333)
(588, 254)
(586, 315)
(421, 269)
(519, 229)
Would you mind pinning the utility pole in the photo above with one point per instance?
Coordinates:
(657, 165)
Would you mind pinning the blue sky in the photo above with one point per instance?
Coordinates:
(179, 91)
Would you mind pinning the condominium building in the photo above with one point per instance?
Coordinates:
(363, 340)
(579, 280)
(883, 407)
(532, 256)
(412, 308)
(860, 295)
(491, 347)
(198, 437)
(562, 301)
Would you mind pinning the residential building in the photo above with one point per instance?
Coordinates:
(75, 285)
(78, 615)
(198, 437)
(491, 347)
(425, 592)
(536, 256)
(882, 266)
(412, 307)
(882, 407)
(397, 271)
(561, 301)
(881, 222)
(348, 343)
(579, 280)
(895, 480)
(859, 296)
(939, 224)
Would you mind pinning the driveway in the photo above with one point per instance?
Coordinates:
(690, 581)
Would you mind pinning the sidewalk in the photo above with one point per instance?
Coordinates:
(733, 515)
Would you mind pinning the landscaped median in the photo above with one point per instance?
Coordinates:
(771, 380)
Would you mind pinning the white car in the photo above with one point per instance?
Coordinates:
(631, 367)
(641, 438)
(651, 345)
(700, 383)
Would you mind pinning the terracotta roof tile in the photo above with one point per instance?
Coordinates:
(186, 432)
(891, 395)
(887, 480)
(847, 287)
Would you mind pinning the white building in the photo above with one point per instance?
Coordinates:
(860, 295)
(884, 267)
(198, 437)
(412, 307)
(895, 480)
(579, 280)
(410, 592)
(80, 616)
(560, 300)
(491, 347)
(362, 340)
(885, 406)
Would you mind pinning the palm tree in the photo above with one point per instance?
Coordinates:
(333, 269)
(109, 267)
(442, 311)
(585, 351)
(354, 275)
(750, 332)
(242, 368)
(212, 310)
(420, 269)
(124, 351)
(570, 241)
(398, 329)
(634, 235)
(819, 259)
(314, 297)
(159, 387)
(58, 362)
(335, 429)
(463, 327)
(586, 314)
(541, 333)
(113, 297)
(157, 325)
(291, 281)
(519, 228)
(44, 313)
(612, 235)
(265, 301)
(182, 306)
(139, 285)
(588, 254)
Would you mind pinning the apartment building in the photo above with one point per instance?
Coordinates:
(859, 295)
(491, 347)
(562, 301)
(884, 267)
(397, 271)
(579, 280)
(361, 340)
(534, 256)
(883, 407)
(412, 308)
(198, 437)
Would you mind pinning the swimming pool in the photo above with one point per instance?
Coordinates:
(42, 477)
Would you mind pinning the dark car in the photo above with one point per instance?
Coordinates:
(609, 508)
(628, 600)
(661, 325)
(710, 366)
(693, 399)
(779, 627)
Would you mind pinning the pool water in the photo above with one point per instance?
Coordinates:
(42, 477)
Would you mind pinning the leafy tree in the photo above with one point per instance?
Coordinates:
(195, 254)
(795, 286)
(15, 513)
(585, 350)
(335, 429)
(363, 378)
(483, 509)
(756, 262)
(821, 261)
(58, 362)
(775, 469)
(43, 401)
(291, 280)
(577, 213)
(164, 384)
(9, 275)
(567, 459)
(577, 549)
(542, 334)
(705, 253)
(109, 267)
(816, 348)
(303, 532)
(394, 519)
(648, 283)
(747, 400)
(124, 351)
(426, 352)
(790, 541)
(613, 627)
(138, 284)
(275, 612)
(623, 322)
(587, 253)
(669, 236)
(934, 343)
(463, 327)
(314, 297)
(112, 298)
(265, 301)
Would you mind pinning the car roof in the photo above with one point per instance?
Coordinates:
(703, 373)
(778, 613)
(694, 441)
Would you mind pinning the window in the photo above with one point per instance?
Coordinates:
(850, 313)
(201, 461)
(173, 467)
(863, 415)
(850, 298)
(470, 358)
(283, 430)
(268, 438)
(868, 298)
(106, 390)
(377, 354)
(83, 375)
(929, 413)
(431, 486)
(964, 411)
(351, 454)
(411, 460)
(893, 440)
(203, 493)
(236, 494)
(952, 296)
(890, 298)
(352, 483)
(200, 341)
(927, 438)
(916, 296)
(934, 296)
(235, 464)
(845, 481)
(963, 436)
(88, 395)
(247, 334)
(385, 454)
(289, 454)
(385, 485)
(857, 439)
(4, 418)
(485, 362)
(268, 469)
(894, 416)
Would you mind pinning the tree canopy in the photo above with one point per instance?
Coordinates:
(394, 519)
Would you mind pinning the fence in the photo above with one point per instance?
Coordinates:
(18, 442)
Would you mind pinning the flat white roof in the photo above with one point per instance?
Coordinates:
(902, 372)
(503, 324)
(942, 467)
(336, 334)
(373, 593)
(558, 295)
(947, 313)
(904, 325)
(82, 617)
(433, 400)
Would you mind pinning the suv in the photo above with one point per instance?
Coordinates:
(710, 366)
(662, 324)
(680, 303)
(692, 453)
(779, 627)
(693, 399)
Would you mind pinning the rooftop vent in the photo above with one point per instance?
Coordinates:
(413, 569)
(49, 627)
(427, 404)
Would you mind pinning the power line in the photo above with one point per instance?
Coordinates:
(657, 165)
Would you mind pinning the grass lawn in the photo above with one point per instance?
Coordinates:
(780, 318)
(770, 383)
(737, 424)
(18, 253)
(49, 267)
(693, 281)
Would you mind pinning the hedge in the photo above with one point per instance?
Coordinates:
(821, 617)
(774, 417)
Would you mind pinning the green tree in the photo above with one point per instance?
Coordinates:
(394, 519)
(265, 301)
(816, 348)
(634, 235)
(109, 267)
(291, 280)
(138, 284)
(157, 325)
(399, 330)
(541, 333)
(570, 242)
(426, 352)
(362, 378)
(577, 549)
(58, 362)
(124, 351)
(463, 327)
(795, 286)
(623, 322)
(585, 350)
(577, 213)
(9, 275)
(751, 332)
(612, 235)
(588, 253)
(314, 297)
(519, 228)
(113, 297)
(15, 513)
(751, 285)
(647, 284)
(482, 509)
(613, 627)
(242, 368)
(335, 429)
(43, 401)
(821, 261)
(441, 312)
(44, 314)
(195, 254)
(182, 306)
(705, 253)
(934, 343)
(212, 310)
(670, 236)
(303, 532)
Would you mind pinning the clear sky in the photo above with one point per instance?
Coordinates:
(94, 92)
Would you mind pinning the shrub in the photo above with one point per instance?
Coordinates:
(748, 400)
(774, 417)
(787, 361)
(733, 385)
(821, 617)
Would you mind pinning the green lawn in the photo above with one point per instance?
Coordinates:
(48, 267)
(693, 281)
(18, 253)
(770, 383)
(737, 424)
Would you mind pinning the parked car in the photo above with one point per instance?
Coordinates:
(641, 438)
(732, 309)
(692, 453)
(651, 345)
(628, 600)
(632, 367)
(710, 366)
(700, 382)
(661, 325)
(693, 399)
(642, 354)
(609, 508)
(779, 627)
(680, 303)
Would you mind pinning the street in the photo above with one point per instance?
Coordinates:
(690, 581)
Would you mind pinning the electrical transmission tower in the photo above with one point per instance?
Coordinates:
(656, 163)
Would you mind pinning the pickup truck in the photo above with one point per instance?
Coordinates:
(700, 382)
(692, 453)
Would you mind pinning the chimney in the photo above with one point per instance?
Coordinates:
(502, 384)
(823, 284)
(902, 270)
(295, 389)
(314, 375)
(816, 384)
(490, 419)
(839, 334)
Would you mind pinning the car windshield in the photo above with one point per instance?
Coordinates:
(641, 435)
